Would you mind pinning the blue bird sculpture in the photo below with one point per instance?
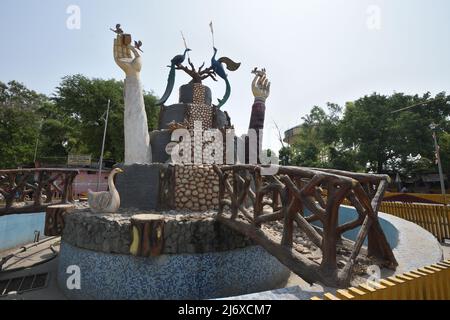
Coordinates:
(176, 61)
(216, 65)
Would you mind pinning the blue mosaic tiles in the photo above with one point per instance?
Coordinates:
(186, 276)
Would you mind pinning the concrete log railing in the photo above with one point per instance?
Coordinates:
(254, 199)
(32, 190)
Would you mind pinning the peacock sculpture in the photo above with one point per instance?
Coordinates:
(105, 201)
(217, 67)
(176, 61)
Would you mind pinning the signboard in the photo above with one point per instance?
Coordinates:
(79, 160)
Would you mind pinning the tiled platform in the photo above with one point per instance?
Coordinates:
(184, 276)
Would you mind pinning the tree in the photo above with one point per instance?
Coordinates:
(19, 123)
(344, 159)
(365, 126)
(384, 140)
(83, 102)
(372, 136)
(318, 133)
(72, 121)
(444, 145)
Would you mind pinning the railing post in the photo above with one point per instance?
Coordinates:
(37, 192)
(289, 210)
(258, 205)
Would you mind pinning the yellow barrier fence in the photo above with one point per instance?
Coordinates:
(434, 218)
(438, 198)
(427, 283)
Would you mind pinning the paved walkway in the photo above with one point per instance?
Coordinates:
(296, 288)
(22, 261)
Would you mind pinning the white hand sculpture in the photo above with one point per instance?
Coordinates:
(137, 139)
(127, 57)
(260, 85)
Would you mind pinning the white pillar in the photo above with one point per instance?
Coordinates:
(137, 139)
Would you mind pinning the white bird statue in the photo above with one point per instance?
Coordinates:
(105, 201)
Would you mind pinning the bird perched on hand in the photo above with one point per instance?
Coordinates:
(118, 29)
(105, 201)
(138, 45)
(258, 72)
(176, 61)
(217, 67)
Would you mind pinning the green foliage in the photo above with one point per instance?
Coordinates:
(83, 102)
(18, 131)
(318, 134)
(444, 144)
(370, 135)
(19, 124)
(286, 156)
(72, 121)
(385, 139)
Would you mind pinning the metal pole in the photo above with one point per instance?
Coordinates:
(103, 146)
(438, 158)
(35, 149)
(37, 142)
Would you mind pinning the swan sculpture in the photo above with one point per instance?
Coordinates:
(105, 201)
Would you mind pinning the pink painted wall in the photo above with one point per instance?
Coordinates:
(88, 180)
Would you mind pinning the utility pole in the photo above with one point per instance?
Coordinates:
(103, 146)
(433, 128)
(35, 150)
(37, 142)
(438, 159)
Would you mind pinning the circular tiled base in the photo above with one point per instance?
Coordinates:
(183, 276)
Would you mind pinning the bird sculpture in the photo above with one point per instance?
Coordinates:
(138, 45)
(105, 201)
(258, 72)
(176, 61)
(118, 29)
(216, 65)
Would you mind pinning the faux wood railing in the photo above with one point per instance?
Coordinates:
(252, 199)
(32, 190)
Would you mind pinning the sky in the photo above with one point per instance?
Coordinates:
(315, 51)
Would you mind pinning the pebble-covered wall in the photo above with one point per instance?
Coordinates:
(198, 110)
(196, 188)
(184, 233)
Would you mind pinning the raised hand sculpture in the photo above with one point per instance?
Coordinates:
(261, 91)
(137, 139)
(260, 85)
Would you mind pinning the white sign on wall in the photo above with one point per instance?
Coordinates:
(79, 160)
